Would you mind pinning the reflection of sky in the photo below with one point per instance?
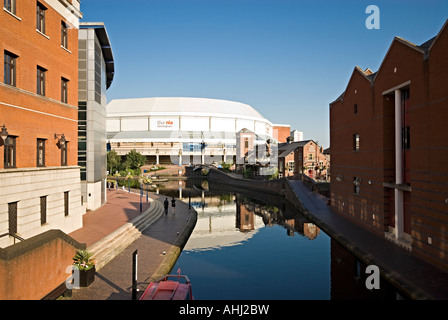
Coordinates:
(215, 229)
(225, 263)
(270, 265)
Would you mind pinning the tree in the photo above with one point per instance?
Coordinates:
(113, 161)
(134, 159)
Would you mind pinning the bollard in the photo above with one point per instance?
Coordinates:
(141, 195)
(134, 275)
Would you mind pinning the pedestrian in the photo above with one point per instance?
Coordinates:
(165, 205)
(173, 204)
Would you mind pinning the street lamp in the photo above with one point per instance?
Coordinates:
(61, 139)
(4, 133)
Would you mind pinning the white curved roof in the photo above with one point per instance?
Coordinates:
(180, 106)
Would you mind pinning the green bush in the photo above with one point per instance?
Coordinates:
(248, 173)
(226, 166)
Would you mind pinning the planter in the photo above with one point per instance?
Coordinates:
(86, 277)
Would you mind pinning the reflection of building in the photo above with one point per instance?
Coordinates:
(389, 147)
(292, 221)
(302, 156)
(96, 72)
(39, 176)
(244, 217)
(348, 278)
(220, 225)
(186, 130)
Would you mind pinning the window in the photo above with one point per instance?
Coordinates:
(356, 183)
(355, 109)
(10, 68)
(10, 152)
(356, 142)
(12, 217)
(41, 80)
(41, 152)
(246, 143)
(64, 154)
(64, 90)
(310, 156)
(40, 17)
(291, 166)
(66, 194)
(406, 137)
(64, 35)
(43, 210)
(405, 130)
(10, 5)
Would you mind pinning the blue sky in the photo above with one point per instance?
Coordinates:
(286, 58)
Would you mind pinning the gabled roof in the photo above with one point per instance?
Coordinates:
(434, 40)
(421, 49)
(367, 74)
(286, 148)
(424, 49)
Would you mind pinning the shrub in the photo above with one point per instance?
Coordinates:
(83, 260)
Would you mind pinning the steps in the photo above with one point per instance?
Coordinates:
(110, 246)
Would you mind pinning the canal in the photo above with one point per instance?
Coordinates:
(253, 246)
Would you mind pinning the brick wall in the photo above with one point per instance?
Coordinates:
(26, 114)
(33, 268)
(404, 66)
(281, 133)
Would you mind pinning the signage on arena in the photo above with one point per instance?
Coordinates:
(164, 124)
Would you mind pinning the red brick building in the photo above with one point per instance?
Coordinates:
(39, 176)
(389, 148)
(281, 132)
(299, 157)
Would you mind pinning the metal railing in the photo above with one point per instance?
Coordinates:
(16, 237)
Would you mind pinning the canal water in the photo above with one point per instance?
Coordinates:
(249, 246)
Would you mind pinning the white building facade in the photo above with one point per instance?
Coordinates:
(182, 130)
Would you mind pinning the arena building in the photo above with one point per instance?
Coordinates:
(183, 130)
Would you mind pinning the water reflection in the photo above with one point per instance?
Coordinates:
(239, 246)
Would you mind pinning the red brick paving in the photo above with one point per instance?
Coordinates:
(120, 208)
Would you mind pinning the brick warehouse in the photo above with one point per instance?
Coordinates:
(389, 148)
(39, 175)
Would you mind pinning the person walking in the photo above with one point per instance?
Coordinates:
(173, 205)
(165, 205)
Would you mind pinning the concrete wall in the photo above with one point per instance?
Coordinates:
(26, 186)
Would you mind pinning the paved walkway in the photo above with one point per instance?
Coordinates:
(121, 207)
(158, 246)
(401, 268)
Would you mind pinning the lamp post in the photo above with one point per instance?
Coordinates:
(147, 184)
(141, 195)
(189, 200)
